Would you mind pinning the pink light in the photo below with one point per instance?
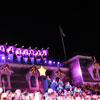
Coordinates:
(79, 71)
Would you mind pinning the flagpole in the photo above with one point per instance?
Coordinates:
(63, 44)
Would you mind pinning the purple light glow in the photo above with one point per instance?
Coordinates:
(25, 60)
(50, 62)
(3, 57)
(58, 63)
(8, 58)
(54, 62)
(45, 62)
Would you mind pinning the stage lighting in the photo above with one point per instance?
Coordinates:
(50, 62)
(54, 62)
(58, 63)
(3, 57)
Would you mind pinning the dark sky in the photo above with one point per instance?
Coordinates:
(43, 31)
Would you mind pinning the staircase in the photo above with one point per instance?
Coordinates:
(18, 80)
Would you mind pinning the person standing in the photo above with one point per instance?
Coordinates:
(53, 84)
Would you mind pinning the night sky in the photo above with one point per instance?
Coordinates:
(43, 31)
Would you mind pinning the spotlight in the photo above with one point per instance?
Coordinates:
(79, 71)
(58, 63)
(50, 62)
(54, 62)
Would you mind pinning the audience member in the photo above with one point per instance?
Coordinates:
(59, 93)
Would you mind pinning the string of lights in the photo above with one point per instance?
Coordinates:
(10, 53)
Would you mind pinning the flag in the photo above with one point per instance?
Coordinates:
(61, 31)
(62, 35)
